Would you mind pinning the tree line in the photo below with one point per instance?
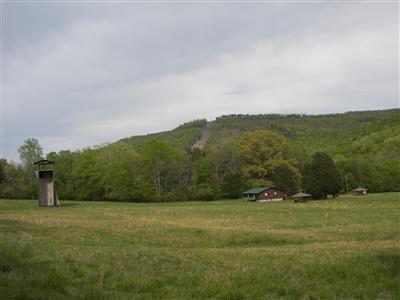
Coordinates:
(291, 152)
(157, 171)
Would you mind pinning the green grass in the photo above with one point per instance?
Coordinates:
(334, 249)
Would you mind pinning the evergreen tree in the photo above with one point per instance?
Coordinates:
(322, 177)
(286, 178)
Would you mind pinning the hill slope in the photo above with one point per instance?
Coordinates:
(365, 130)
(200, 159)
(365, 145)
(183, 136)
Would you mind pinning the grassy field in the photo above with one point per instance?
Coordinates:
(335, 249)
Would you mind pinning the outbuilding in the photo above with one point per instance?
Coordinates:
(264, 194)
(45, 175)
(359, 191)
(301, 197)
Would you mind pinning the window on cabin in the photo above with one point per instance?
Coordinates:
(266, 194)
(275, 193)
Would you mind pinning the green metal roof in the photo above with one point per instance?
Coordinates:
(256, 190)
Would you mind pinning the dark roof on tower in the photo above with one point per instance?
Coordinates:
(43, 162)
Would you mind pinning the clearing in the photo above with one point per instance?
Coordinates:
(346, 248)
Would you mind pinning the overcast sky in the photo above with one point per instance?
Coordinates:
(80, 74)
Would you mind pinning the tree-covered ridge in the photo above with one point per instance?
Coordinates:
(182, 137)
(242, 151)
(365, 145)
(308, 128)
(334, 133)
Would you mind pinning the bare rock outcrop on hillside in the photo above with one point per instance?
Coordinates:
(204, 135)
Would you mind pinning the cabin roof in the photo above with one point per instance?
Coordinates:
(359, 189)
(256, 190)
(301, 195)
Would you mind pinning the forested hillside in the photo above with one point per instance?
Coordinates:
(241, 151)
(365, 145)
(336, 133)
(182, 137)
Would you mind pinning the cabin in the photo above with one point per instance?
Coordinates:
(301, 197)
(359, 191)
(263, 194)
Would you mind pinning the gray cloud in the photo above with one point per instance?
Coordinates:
(81, 74)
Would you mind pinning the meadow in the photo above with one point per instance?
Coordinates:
(345, 248)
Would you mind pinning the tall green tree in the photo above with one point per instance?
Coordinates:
(322, 177)
(165, 166)
(4, 184)
(286, 178)
(63, 167)
(203, 182)
(9, 185)
(86, 176)
(265, 155)
(226, 162)
(119, 167)
(30, 151)
(3, 163)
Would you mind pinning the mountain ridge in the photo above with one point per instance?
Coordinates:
(301, 127)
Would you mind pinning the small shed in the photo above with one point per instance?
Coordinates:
(47, 193)
(301, 197)
(359, 191)
(264, 194)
